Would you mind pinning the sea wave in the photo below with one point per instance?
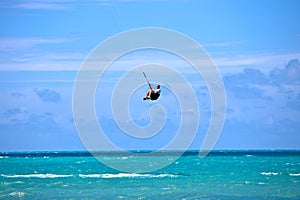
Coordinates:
(17, 194)
(295, 174)
(4, 157)
(127, 175)
(269, 173)
(262, 183)
(37, 176)
(119, 175)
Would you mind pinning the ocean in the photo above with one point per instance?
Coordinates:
(226, 175)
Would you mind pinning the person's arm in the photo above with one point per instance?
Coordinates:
(151, 88)
(156, 91)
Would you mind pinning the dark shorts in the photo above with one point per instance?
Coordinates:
(154, 96)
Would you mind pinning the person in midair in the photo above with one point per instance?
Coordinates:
(152, 94)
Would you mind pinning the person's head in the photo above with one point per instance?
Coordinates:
(158, 86)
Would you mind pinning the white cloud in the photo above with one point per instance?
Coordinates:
(33, 54)
(47, 95)
(40, 5)
(231, 62)
(13, 115)
(36, 4)
(15, 44)
(58, 4)
(289, 75)
(40, 60)
(224, 44)
(264, 100)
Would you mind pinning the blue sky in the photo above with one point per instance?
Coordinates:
(255, 45)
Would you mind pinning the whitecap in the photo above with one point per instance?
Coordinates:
(90, 175)
(262, 183)
(4, 157)
(127, 175)
(19, 182)
(79, 162)
(269, 173)
(18, 194)
(36, 176)
(295, 174)
(165, 175)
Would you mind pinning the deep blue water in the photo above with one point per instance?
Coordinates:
(220, 175)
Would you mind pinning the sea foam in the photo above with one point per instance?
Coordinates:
(269, 173)
(37, 176)
(295, 174)
(127, 175)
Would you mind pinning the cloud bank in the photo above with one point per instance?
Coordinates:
(47, 95)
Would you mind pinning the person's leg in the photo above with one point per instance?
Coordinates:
(147, 95)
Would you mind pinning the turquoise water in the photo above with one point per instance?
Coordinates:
(221, 175)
